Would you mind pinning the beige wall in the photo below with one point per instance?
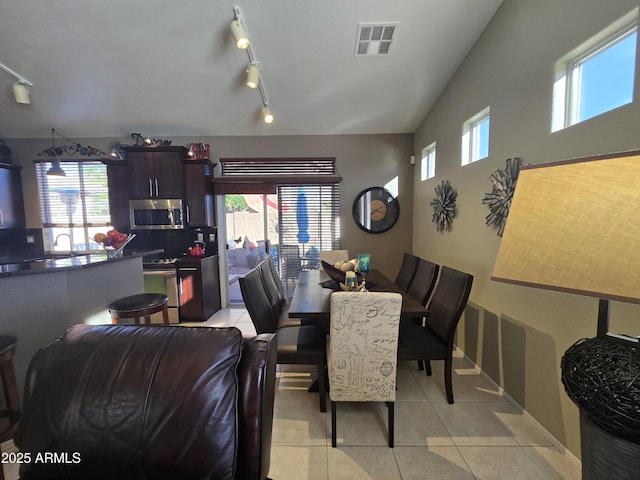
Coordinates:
(517, 334)
(362, 160)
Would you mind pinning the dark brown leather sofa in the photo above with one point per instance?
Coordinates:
(149, 402)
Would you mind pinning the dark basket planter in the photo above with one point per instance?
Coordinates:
(602, 377)
(605, 455)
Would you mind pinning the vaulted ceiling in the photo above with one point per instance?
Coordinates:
(170, 67)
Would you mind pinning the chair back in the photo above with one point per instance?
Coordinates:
(257, 302)
(334, 256)
(448, 302)
(362, 351)
(275, 298)
(274, 273)
(290, 258)
(406, 272)
(424, 280)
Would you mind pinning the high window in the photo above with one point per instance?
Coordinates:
(475, 137)
(598, 76)
(428, 162)
(73, 207)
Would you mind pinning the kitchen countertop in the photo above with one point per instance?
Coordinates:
(56, 264)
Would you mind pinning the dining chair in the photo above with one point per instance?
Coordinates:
(362, 351)
(298, 345)
(291, 263)
(273, 285)
(334, 256)
(423, 281)
(406, 272)
(434, 341)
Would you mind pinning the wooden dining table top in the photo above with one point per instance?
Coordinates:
(312, 300)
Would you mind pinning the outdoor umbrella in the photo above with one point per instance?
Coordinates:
(302, 217)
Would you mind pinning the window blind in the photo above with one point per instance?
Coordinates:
(320, 206)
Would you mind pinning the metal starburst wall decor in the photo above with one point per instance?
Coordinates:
(444, 206)
(499, 200)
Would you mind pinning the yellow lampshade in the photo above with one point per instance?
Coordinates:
(574, 226)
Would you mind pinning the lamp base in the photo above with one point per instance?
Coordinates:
(605, 455)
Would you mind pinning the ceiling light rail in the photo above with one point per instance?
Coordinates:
(254, 68)
(20, 88)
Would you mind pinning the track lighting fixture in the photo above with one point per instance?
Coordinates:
(266, 114)
(253, 75)
(238, 31)
(21, 93)
(20, 88)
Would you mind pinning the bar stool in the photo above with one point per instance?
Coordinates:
(141, 305)
(10, 389)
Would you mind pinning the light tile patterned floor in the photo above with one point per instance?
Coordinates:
(481, 436)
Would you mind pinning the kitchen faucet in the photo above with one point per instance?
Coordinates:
(55, 242)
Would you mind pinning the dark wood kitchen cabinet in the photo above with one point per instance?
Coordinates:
(11, 201)
(198, 193)
(155, 172)
(198, 288)
(117, 178)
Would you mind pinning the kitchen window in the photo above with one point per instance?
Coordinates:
(73, 207)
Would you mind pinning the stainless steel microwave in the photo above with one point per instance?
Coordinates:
(156, 214)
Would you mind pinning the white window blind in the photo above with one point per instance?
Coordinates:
(76, 204)
(322, 206)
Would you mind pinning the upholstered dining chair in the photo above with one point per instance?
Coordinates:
(362, 351)
(298, 345)
(406, 272)
(334, 256)
(434, 341)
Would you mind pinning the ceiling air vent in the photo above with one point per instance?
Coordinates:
(374, 39)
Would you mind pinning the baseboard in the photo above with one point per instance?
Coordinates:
(556, 443)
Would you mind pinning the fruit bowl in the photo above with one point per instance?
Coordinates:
(113, 252)
(336, 274)
(113, 242)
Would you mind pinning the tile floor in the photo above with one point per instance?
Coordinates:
(482, 436)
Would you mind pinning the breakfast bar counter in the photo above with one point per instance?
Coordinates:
(41, 302)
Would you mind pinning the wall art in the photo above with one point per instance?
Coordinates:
(444, 206)
(499, 199)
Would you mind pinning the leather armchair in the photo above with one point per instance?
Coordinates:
(150, 402)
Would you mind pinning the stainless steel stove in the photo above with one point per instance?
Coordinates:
(159, 263)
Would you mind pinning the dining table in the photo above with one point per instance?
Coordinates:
(312, 296)
(312, 299)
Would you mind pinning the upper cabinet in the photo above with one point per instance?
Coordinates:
(161, 172)
(11, 201)
(198, 193)
(155, 172)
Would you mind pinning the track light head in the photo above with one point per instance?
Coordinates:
(21, 93)
(266, 114)
(239, 33)
(253, 75)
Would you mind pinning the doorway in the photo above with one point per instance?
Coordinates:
(250, 220)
